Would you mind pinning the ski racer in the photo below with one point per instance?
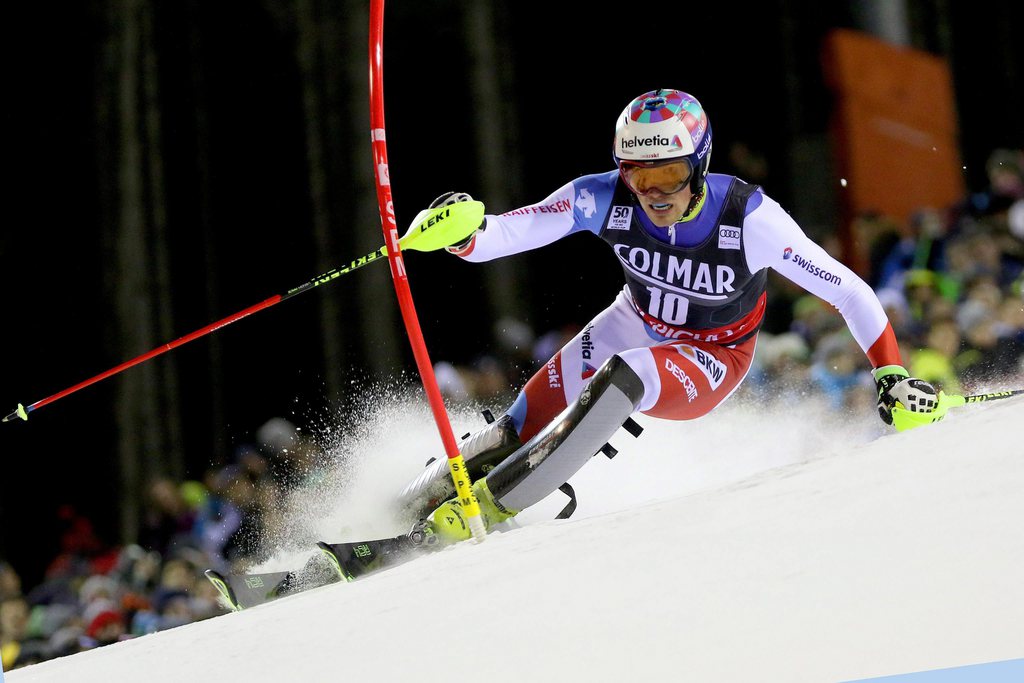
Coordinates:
(678, 340)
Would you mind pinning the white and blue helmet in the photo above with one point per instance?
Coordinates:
(665, 125)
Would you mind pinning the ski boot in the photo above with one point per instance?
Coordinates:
(447, 524)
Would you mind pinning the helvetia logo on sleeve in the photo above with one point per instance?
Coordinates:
(587, 343)
(587, 352)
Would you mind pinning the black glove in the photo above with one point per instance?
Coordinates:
(896, 386)
(450, 198)
(454, 198)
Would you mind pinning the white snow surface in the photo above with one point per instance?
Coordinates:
(749, 545)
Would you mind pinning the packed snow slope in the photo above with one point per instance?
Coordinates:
(745, 546)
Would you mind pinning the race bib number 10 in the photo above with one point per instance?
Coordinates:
(668, 306)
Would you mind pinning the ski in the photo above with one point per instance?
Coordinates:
(245, 590)
(353, 560)
(334, 562)
(242, 591)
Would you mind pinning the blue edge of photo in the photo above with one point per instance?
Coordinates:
(1007, 671)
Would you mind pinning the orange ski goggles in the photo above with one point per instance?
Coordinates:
(665, 177)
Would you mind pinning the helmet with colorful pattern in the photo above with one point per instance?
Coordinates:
(664, 125)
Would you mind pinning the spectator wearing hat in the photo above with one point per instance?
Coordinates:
(106, 627)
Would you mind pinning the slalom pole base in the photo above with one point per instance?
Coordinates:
(476, 526)
(18, 412)
(467, 498)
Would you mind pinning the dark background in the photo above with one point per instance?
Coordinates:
(252, 122)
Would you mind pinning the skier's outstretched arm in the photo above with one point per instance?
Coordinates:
(526, 228)
(774, 240)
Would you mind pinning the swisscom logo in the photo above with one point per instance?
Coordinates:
(817, 271)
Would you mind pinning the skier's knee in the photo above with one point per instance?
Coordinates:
(559, 450)
(481, 451)
(615, 372)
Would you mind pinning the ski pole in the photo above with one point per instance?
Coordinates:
(903, 419)
(382, 178)
(447, 225)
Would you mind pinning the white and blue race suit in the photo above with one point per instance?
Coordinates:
(686, 321)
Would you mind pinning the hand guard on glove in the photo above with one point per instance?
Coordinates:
(449, 198)
(895, 385)
(451, 221)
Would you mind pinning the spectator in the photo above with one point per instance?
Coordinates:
(106, 627)
(483, 381)
(167, 519)
(295, 459)
(219, 518)
(928, 298)
(66, 640)
(13, 621)
(814, 319)
(10, 581)
(934, 362)
(174, 609)
(780, 368)
(979, 365)
(837, 369)
(919, 247)
(886, 247)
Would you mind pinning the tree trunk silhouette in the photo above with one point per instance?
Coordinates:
(377, 304)
(147, 413)
(217, 412)
(489, 80)
(315, 72)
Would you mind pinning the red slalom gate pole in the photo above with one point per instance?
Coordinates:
(456, 464)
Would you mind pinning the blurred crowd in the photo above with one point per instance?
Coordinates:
(951, 282)
(94, 594)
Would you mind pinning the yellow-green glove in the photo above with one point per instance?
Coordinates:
(451, 220)
(897, 388)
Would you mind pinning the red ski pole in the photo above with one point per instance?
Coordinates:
(431, 230)
(23, 411)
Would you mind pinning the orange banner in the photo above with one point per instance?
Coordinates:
(894, 132)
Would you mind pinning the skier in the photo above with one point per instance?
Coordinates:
(678, 339)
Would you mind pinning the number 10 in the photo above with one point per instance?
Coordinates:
(668, 306)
